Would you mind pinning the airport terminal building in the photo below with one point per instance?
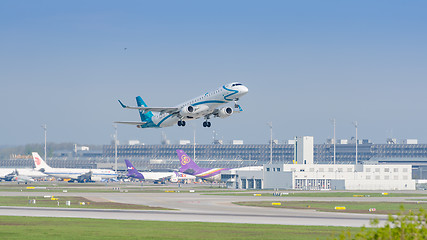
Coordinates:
(241, 155)
(304, 174)
(298, 164)
(323, 177)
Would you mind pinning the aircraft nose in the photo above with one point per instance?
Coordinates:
(243, 89)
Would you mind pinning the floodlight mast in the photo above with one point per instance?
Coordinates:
(355, 125)
(334, 123)
(44, 126)
(194, 144)
(271, 141)
(115, 147)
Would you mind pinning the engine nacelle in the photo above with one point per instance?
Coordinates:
(186, 111)
(194, 111)
(225, 112)
(96, 179)
(174, 179)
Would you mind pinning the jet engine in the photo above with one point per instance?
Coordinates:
(174, 179)
(225, 112)
(186, 111)
(193, 111)
(96, 179)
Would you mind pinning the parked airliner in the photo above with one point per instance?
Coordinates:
(9, 174)
(188, 166)
(205, 106)
(72, 173)
(156, 176)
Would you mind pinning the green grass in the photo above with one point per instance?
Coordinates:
(328, 194)
(105, 188)
(351, 207)
(75, 203)
(75, 228)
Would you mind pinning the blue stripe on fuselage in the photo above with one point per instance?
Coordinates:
(210, 101)
(231, 94)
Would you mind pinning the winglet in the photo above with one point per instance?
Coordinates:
(123, 106)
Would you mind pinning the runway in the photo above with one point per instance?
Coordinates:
(194, 207)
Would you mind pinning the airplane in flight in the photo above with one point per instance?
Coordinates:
(188, 166)
(76, 174)
(204, 106)
(155, 176)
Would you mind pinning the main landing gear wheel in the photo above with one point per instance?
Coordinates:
(206, 124)
(181, 123)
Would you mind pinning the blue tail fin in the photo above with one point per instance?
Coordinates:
(145, 117)
(140, 102)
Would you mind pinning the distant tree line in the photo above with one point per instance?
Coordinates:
(7, 151)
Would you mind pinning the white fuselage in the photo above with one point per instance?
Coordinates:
(30, 172)
(157, 175)
(74, 173)
(204, 104)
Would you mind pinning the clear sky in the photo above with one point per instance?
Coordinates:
(65, 63)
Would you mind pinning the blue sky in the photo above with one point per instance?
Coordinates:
(304, 62)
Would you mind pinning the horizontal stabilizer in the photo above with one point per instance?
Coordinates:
(132, 123)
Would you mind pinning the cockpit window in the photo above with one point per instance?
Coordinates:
(236, 84)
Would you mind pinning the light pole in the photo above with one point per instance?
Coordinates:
(355, 125)
(115, 147)
(334, 123)
(44, 126)
(271, 141)
(194, 145)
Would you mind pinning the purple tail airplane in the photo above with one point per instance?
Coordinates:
(132, 172)
(188, 166)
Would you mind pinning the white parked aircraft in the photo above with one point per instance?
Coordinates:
(23, 179)
(156, 176)
(8, 174)
(205, 106)
(73, 173)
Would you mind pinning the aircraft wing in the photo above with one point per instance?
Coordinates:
(132, 123)
(153, 109)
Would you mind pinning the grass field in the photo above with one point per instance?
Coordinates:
(79, 228)
(106, 188)
(351, 207)
(329, 194)
(75, 203)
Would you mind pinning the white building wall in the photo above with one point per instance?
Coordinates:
(357, 177)
(410, 141)
(305, 150)
(379, 185)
